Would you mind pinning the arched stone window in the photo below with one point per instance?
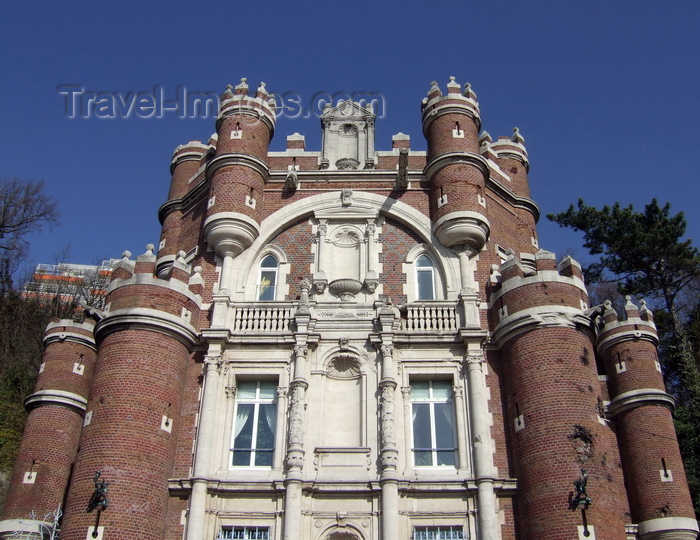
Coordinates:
(425, 278)
(267, 278)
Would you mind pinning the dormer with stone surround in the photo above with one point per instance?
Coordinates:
(348, 136)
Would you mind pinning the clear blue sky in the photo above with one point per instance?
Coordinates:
(605, 94)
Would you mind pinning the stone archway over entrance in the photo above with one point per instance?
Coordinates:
(342, 535)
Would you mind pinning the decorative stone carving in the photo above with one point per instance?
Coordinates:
(296, 413)
(213, 362)
(291, 182)
(345, 288)
(304, 298)
(344, 367)
(386, 411)
(389, 459)
(474, 361)
(295, 460)
(346, 237)
(346, 197)
(320, 283)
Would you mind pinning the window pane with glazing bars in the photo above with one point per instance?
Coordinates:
(244, 533)
(433, 424)
(425, 278)
(254, 427)
(267, 279)
(438, 533)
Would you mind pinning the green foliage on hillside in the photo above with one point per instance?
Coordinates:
(645, 254)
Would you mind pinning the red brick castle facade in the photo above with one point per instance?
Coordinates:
(350, 344)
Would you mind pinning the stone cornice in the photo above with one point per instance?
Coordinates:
(187, 200)
(676, 528)
(56, 397)
(147, 319)
(452, 104)
(636, 398)
(152, 281)
(530, 319)
(515, 200)
(244, 160)
(542, 276)
(67, 335)
(608, 339)
(244, 105)
(450, 158)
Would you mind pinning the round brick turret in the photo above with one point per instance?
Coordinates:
(512, 159)
(553, 403)
(187, 160)
(133, 411)
(456, 170)
(641, 409)
(511, 180)
(50, 441)
(239, 169)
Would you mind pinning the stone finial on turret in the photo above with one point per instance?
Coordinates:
(570, 268)
(146, 263)
(644, 312)
(434, 90)
(242, 88)
(261, 92)
(181, 270)
(517, 137)
(609, 314)
(452, 86)
(485, 138)
(631, 310)
(124, 269)
(227, 93)
(468, 92)
(196, 281)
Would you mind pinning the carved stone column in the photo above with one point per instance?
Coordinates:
(371, 280)
(279, 433)
(230, 391)
(389, 454)
(320, 281)
(458, 392)
(468, 294)
(295, 446)
(483, 453)
(202, 457)
(406, 396)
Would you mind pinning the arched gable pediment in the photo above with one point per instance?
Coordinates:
(347, 207)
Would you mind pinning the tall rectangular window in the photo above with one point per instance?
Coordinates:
(254, 427)
(432, 411)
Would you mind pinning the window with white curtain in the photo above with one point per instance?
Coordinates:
(433, 422)
(267, 278)
(425, 278)
(254, 426)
